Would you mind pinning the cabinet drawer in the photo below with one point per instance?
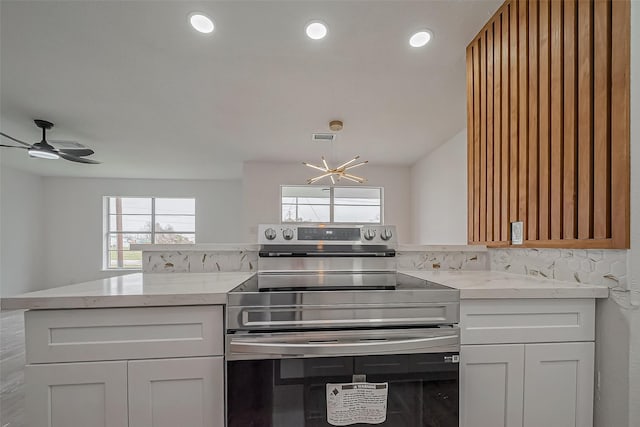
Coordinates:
(526, 320)
(123, 333)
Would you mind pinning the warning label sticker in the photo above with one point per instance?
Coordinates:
(354, 403)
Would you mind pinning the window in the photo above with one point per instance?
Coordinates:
(313, 203)
(132, 220)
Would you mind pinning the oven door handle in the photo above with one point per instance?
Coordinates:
(336, 348)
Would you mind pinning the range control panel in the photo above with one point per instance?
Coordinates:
(330, 233)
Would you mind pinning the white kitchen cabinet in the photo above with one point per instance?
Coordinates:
(559, 385)
(76, 394)
(526, 363)
(176, 392)
(168, 367)
(492, 385)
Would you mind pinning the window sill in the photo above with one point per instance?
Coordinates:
(133, 270)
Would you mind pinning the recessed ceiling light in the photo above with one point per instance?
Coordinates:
(316, 30)
(201, 23)
(420, 38)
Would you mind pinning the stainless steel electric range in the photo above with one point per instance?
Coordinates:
(329, 333)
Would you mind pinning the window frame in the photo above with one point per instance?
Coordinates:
(331, 204)
(107, 233)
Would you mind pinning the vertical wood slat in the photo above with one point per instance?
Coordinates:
(585, 136)
(497, 125)
(490, 120)
(483, 139)
(523, 95)
(476, 141)
(513, 106)
(570, 135)
(620, 128)
(504, 93)
(469, 143)
(601, 120)
(556, 120)
(544, 110)
(550, 134)
(533, 122)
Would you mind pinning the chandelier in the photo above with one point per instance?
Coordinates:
(335, 174)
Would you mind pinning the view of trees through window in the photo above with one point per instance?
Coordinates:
(313, 203)
(133, 220)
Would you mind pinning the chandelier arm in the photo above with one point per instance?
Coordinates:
(317, 178)
(315, 167)
(353, 177)
(348, 163)
(324, 162)
(356, 165)
(333, 181)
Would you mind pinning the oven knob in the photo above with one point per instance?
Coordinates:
(270, 233)
(287, 233)
(369, 234)
(386, 234)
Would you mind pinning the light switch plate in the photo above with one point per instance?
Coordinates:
(516, 232)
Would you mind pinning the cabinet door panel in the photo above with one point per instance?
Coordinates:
(76, 394)
(177, 392)
(491, 385)
(559, 385)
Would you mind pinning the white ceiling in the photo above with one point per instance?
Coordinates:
(155, 99)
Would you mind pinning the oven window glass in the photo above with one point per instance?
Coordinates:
(422, 389)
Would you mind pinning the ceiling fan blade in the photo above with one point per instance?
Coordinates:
(15, 139)
(78, 152)
(14, 146)
(77, 159)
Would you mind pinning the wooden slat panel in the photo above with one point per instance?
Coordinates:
(483, 139)
(570, 135)
(556, 120)
(585, 120)
(513, 113)
(620, 127)
(523, 96)
(476, 141)
(490, 120)
(497, 123)
(544, 109)
(470, 155)
(601, 120)
(504, 91)
(533, 122)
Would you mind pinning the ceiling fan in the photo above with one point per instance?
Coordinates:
(44, 150)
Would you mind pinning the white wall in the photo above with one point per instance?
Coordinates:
(439, 194)
(74, 239)
(261, 188)
(21, 232)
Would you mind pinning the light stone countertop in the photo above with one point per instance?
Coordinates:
(167, 289)
(498, 285)
(134, 290)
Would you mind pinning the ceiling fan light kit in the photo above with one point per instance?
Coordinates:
(44, 150)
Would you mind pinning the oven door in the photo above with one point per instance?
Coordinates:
(285, 379)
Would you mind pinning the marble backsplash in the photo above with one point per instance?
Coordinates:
(212, 261)
(445, 261)
(593, 266)
(199, 261)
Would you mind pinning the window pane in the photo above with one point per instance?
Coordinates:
(318, 194)
(131, 205)
(130, 223)
(127, 259)
(306, 213)
(175, 223)
(175, 238)
(357, 196)
(176, 206)
(127, 239)
(356, 214)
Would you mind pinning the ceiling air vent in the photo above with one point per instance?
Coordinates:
(323, 137)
